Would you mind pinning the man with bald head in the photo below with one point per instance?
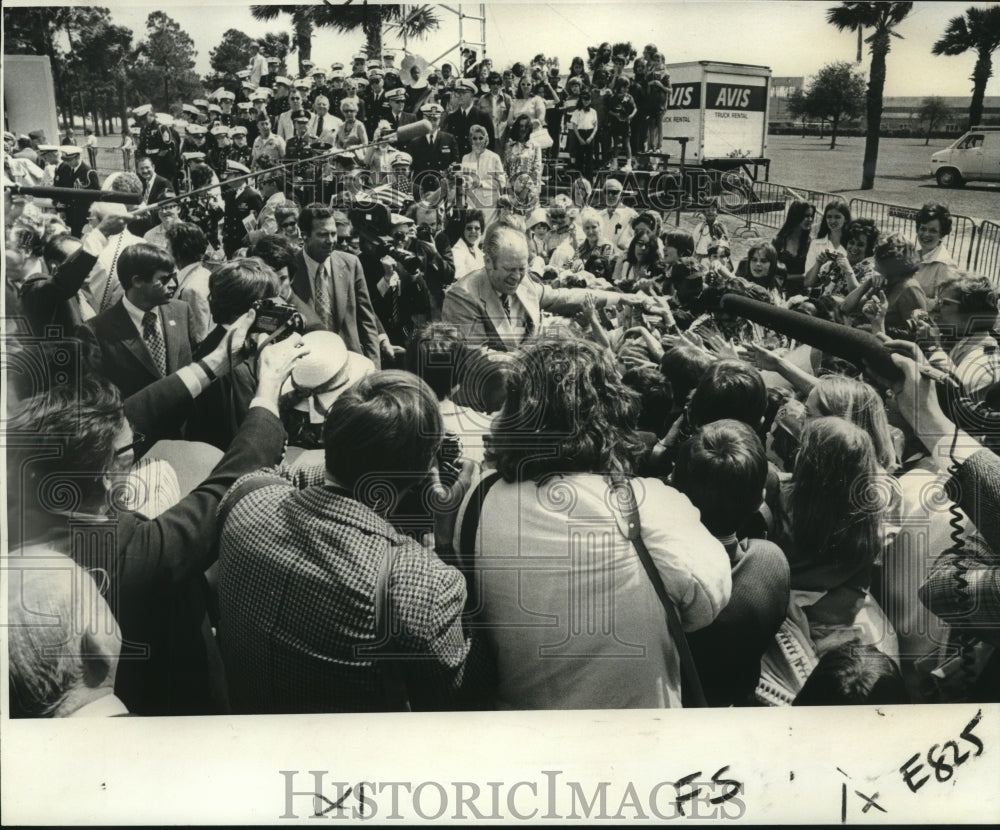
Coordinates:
(500, 306)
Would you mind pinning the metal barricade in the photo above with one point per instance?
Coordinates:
(960, 243)
(987, 258)
(819, 199)
(759, 204)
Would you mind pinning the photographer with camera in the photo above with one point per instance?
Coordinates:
(233, 290)
(395, 278)
(152, 569)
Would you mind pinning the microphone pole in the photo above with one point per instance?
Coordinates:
(407, 132)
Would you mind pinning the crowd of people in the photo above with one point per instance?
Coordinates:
(313, 448)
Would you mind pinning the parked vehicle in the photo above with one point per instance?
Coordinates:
(973, 157)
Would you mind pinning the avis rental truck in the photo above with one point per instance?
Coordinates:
(721, 109)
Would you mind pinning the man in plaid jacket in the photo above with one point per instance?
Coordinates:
(302, 558)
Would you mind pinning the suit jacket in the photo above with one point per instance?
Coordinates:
(473, 306)
(457, 123)
(437, 155)
(353, 316)
(50, 299)
(157, 188)
(403, 119)
(154, 567)
(118, 351)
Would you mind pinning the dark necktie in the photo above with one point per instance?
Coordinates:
(154, 341)
(319, 126)
(505, 302)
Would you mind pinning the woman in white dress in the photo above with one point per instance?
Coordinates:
(485, 179)
(467, 254)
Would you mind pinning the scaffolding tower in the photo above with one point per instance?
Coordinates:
(469, 26)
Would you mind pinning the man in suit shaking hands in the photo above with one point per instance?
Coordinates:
(332, 283)
(458, 122)
(146, 335)
(498, 307)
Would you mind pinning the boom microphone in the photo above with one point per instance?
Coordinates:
(418, 129)
(859, 347)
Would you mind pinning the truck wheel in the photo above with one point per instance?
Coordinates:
(949, 177)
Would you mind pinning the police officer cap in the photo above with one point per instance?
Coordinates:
(196, 129)
(220, 130)
(201, 103)
(69, 150)
(466, 86)
(336, 67)
(236, 167)
(165, 119)
(281, 79)
(143, 111)
(235, 131)
(190, 109)
(262, 93)
(432, 106)
(397, 94)
(215, 108)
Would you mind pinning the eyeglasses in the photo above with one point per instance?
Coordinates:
(479, 138)
(137, 440)
(940, 301)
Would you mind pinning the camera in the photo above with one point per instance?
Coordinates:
(274, 320)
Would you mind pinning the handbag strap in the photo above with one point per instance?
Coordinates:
(393, 685)
(466, 553)
(692, 694)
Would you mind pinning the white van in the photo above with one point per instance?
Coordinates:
(974, 157)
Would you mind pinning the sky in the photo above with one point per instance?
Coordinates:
(792, 38)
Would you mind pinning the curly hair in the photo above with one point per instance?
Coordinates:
(567, 411)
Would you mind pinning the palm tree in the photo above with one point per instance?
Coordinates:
(979, 29)
(302, 25)
(883, 18)
(408, 21)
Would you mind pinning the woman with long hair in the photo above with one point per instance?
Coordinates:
(833, 510)
(642, 261)
(761, 265)
(483, 174)
(577, 70)
(792, 241)
(523, 161)
(827, 246)
(567, 426)
(859, 403)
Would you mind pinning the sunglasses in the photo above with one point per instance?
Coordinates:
(291, 223)
(137, 440)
